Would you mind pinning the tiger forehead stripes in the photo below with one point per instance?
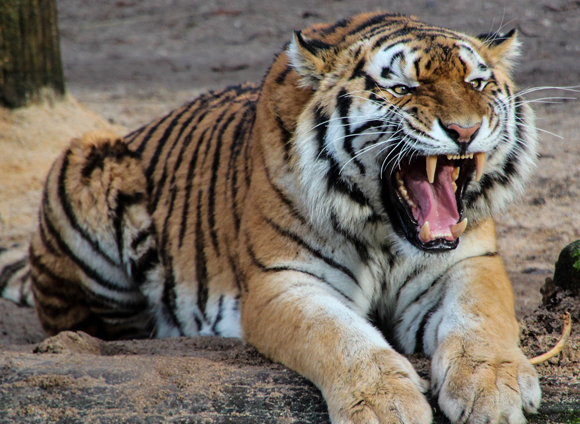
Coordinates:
(335, 217)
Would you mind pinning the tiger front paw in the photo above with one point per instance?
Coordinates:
(475, 386)
(383, 390)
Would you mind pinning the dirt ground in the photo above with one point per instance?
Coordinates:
(128, 61)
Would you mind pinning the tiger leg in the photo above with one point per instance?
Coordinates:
(478, 371)
(294, 319)
(95, 246)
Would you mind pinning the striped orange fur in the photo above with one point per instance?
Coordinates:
(336, 216)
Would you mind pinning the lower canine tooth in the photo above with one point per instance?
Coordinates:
(455, 174)
(425, 233)
(459, 228)
(479, 165)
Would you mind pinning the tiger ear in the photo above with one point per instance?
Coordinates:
(310, 58)
(502, 49)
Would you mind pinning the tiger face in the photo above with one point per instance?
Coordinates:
(421, 122)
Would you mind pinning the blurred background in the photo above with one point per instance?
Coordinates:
(153, 52)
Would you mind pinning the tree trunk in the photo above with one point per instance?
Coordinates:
(30, 64)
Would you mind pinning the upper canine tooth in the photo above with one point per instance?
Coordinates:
(459, 228)
(479, 165)
(425, 233)
(431, 166)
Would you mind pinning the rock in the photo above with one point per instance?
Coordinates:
(567, 273)
(70, 342)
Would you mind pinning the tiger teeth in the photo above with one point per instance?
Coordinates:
(459, 228)
(457, 157)
(454, 185)
(425, 233)
(431, 167)
(455, 174)
(403, 191)
(479, 165)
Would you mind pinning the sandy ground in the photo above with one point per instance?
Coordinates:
(128, 61)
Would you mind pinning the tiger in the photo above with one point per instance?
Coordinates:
(337, 217)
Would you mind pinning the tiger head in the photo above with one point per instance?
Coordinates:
(416, 124)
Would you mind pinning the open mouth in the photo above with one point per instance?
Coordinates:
(427, 192)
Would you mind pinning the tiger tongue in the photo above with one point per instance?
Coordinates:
(434, 202)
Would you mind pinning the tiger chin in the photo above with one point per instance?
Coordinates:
(336, 217)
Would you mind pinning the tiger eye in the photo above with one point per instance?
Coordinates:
(478, 84)
(401, 89)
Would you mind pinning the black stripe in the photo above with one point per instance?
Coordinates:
(398, 55)
(463, 65)
(184, 148)
(67, 208)
(375, 20)
(200, 260)
(280, 78)
(189, 187)
(86, 269)
(321, 127)
(142, 236)
(48, 244)
(164, 238)
(359, 69)
(425, 31)
(22, 283)
(159, 185)
(241, 136)
(114, 149)
(386, 72)
(285, 138)
(169, 297)
(302, 243)
(336, 182)
(160, 142)
(420, 334)
(368, 125)
(239, 277)
(417, 68)
(387, 250)
(219, 316)
(265, 268)
(132, 136)
(123, 201)
(49, 291)
(247, 153)
(358, 244)
(344, 102)
(284, 199)
(144, 264)
(100, 300)
(416, 272)
(213, 182)
(215, 126)
(343, 23)
(9, 271)
(150, 131)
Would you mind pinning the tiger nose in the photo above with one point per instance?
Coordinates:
(460, 134)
